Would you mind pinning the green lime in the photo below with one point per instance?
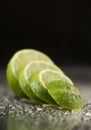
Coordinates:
(26, 73)
(65, 94)
(17, 62)
(40, 80)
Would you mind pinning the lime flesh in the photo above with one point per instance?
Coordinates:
(30, 69)
(39, 81)
(17, 62)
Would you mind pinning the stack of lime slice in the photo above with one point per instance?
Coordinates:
(32, 74)
(17, 62)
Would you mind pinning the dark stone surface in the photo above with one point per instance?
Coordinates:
(22, 114)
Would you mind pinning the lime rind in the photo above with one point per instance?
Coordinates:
(17, 62)
(24, 84)
(48, 75)
(65, 94)
(56, 89)
(28, 55)
(32, 74)
(36, 66)
(27, 72)
(13, 82)
(39, 90)
(38, 84)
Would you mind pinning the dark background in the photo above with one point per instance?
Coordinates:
(61, 29)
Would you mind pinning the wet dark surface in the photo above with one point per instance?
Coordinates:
(22, 114)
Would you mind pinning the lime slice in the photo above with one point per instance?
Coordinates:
(27, 72)
(17, 62)
(40, 80)
(65, 94)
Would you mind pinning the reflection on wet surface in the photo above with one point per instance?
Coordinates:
(42, 119)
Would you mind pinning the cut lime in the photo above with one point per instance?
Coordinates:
(65, 94)
(17, 62)
(40, 80)
(27, 72)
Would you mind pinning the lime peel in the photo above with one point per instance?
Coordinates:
(17, 62)
(38, 83)
(32, 74)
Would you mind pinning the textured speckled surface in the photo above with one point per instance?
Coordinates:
(22, 114)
